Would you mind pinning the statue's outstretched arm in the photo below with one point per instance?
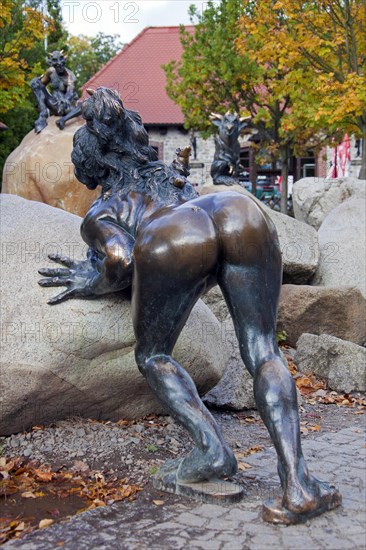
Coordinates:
(45, 78)
(108, 267)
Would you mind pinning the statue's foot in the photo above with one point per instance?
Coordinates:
(301, 501)
(60, 124)
(39, 125)
(201, 473)
(211, 491)
(225, 180)
(215, 461)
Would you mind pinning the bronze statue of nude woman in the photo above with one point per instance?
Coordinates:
(149, 229)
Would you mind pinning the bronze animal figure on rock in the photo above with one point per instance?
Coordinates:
(226, 165)
(171, 246)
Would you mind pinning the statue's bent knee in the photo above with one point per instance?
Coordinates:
(153, 364)
(36, 84)
(145, 361)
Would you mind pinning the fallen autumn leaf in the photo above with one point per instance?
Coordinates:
(45, 523)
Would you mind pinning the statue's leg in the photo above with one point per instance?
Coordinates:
(73, 113)
(44, 104)
(220, 173)
(252, 295)
(158, 321)
(168, 279)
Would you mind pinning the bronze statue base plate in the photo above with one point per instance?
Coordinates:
(215, 491)
(274, 512)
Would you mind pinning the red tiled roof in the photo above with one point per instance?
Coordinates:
(136, 74)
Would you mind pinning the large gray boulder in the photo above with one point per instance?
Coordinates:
(298, 241)
(299, 247)
(235, 389)
(314, 198)
(341, 363)
(342, 243)
(338, 311)
(76, 358)
(216, 302)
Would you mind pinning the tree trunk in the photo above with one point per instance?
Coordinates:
(253, 174)
(362, 174)
(284, 154)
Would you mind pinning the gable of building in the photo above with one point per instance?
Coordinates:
(136, 73)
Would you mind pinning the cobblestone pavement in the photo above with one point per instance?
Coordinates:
(181, 523)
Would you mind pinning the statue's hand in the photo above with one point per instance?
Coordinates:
(76, 276)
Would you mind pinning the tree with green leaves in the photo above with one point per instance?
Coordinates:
(298, 68)
(226, 65)
(209, 76)
(278, 92)
(23, 27)
(326, 41)
(86, 55)
(27, 30)
(54, 32)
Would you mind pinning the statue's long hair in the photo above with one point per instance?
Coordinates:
(112, 150)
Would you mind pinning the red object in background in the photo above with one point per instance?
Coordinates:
(279, 182)
(341, 159)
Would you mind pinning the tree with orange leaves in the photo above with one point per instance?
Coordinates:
(21, 27)
(278, 94)
(227, 64)
(323, 42)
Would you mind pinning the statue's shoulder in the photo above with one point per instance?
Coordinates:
(70, 75)
(51, 71)
(112, 202)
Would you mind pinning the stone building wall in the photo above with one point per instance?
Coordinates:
(173, 138)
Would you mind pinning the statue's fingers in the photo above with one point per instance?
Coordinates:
(52, 272)
(65, 260)
(61, 297)
(54, 281)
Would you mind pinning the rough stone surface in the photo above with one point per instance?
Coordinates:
(342, 244)
(314, 198)
(298, 241)
(40, 169)
(338, 457)
(76, 358)
(216, 302)
(235, 389)
(340, 312)
(341, 363)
